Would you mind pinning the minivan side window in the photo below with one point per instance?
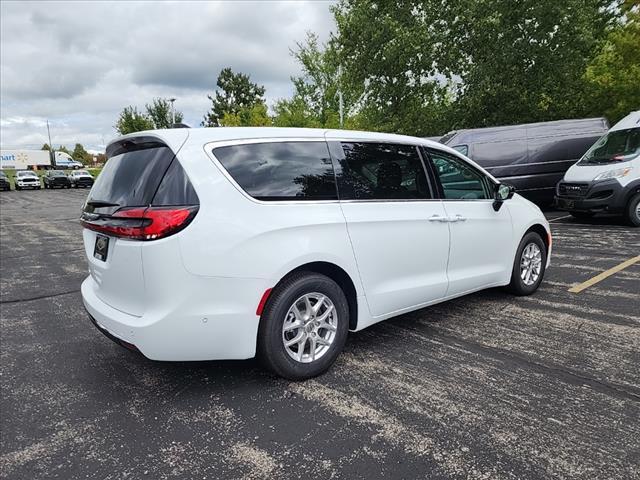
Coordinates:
(381, 171)
(281, 170)
(460, 181)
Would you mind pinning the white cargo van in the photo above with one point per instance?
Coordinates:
(30, 159)
(607, 177)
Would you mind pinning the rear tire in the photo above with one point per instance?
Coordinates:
(529, 265)
(319, 307)
(582, 214)
(633, 211)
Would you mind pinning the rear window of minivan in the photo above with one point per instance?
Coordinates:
(281, 170)
(142, 174)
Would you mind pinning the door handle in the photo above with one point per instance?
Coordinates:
(438, 218)
(457, 218)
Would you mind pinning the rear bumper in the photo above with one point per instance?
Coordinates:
(608, 196)
(214, 320)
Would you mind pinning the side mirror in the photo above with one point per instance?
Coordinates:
(501, 193)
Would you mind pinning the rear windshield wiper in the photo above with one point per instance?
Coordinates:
(102, 203)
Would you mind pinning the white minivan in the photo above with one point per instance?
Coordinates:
(224, 243)
(607, 177)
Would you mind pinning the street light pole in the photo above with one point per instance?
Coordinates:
(173, 112)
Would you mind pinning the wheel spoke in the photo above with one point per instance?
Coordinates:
(327, 326)
(296, 312)
(301, 346)
(312, 348)
(293, 326)
(318, 305)
(294, 340)
(323, 318)
(307, 305)
(322, 341)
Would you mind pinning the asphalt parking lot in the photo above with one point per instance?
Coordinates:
(487, 386)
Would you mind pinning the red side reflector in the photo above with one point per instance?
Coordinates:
(263, 301)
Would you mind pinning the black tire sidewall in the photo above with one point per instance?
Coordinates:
(271, 349)
(631, 210)
(517, 285)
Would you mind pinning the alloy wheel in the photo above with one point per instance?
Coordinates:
(309, 328)
(530, 264)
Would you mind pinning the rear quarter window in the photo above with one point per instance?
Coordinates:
(273, 171)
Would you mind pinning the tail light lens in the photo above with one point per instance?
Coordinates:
(146, 223)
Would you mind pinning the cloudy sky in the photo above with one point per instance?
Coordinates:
(78, 64)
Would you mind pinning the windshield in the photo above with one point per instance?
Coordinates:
(617, 146)
(82, 172)
(56, 173)
(26, 174)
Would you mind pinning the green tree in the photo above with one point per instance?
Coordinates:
(46, 147)
(62, 148)
(236, 92)
(613, 75)
(315, 102)
(80, 154)
(428, 66)
(388, 52)
(159, 111)
(254, 116)
(130, 120)
(521, 61)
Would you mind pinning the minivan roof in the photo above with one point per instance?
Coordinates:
(630, 121)
(174, 138)
(598, 125)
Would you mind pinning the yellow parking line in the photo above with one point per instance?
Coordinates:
(605, 274)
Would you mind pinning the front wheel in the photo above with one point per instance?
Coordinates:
(529, 265)
(304, 326)
(633, 211)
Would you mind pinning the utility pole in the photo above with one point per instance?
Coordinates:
(173, 112)
(51, 152)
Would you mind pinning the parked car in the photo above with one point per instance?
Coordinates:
(280, 241)
(55, 179)
(5, 184)
(607, 177)
(80, 178)
(533, 157)
(27, 179)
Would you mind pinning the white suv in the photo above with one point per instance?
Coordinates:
(225, 243)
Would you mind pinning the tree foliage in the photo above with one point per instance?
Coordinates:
(159, 112)
(429, 66)
(613, 75)
(130, 120)
(46, 146)
(254, 116)
(236, 97)
(80, 154)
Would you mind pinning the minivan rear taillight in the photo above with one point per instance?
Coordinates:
(141, 223)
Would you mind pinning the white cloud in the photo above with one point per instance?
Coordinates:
(78, 64)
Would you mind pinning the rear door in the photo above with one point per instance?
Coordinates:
(481, 238)
(397, 228)
(132, 177)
